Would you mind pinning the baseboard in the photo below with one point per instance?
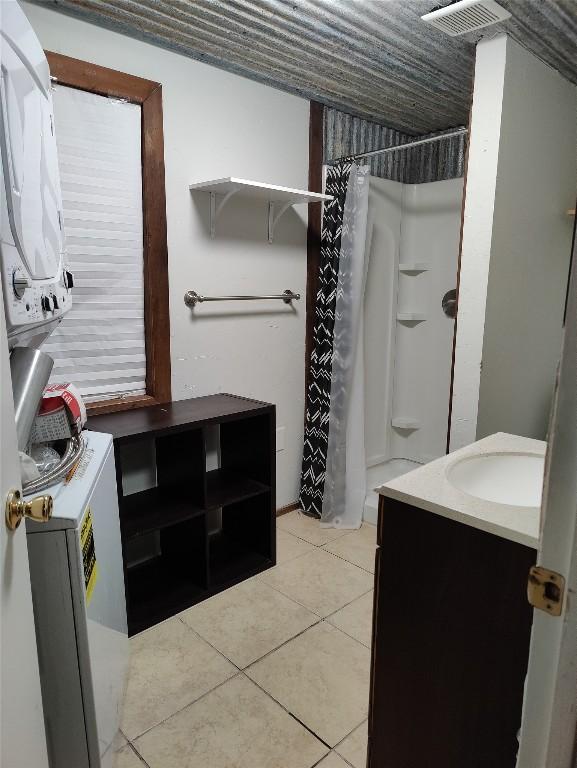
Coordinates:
(287, 509)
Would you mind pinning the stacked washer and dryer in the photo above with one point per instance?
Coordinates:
(75, 557)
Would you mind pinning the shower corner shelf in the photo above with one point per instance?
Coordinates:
(279, 199)
(416, 266)
(411, 317)
(403, 423)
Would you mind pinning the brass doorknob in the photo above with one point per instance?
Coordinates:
(38, 509)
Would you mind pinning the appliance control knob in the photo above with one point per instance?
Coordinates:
(19, 283)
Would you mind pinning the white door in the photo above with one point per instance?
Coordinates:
(550, 709)
(22, 738)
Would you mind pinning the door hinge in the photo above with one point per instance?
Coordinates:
(546, 590)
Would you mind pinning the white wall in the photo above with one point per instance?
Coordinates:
(522, 177)
(477, 229)
(217, 124)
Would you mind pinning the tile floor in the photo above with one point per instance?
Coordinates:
(272, 673)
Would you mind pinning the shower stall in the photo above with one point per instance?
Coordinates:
(412, 249)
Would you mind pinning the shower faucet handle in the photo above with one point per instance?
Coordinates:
(449, 303)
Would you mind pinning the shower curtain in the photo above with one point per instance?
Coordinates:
(333, 469)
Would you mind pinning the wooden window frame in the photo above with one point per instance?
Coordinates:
(148, 95)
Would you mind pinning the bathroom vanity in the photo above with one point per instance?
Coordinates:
(452, 622)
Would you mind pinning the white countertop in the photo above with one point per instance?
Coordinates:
(428, 488)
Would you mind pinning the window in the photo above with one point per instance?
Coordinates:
(100, 344)
(114, 344)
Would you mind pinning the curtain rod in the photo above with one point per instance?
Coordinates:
(408, 145)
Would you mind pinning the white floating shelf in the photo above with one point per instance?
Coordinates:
(411, 317)
(401, 423)
(283, 197)
(417, 266)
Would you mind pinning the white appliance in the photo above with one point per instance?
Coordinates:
(80, 612)
(36, 284)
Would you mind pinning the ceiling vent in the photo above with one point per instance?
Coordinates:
(466, 16)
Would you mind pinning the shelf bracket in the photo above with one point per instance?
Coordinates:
(216, 207)
(273, 220)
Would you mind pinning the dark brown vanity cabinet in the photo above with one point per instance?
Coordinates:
(450, 643)
(197, 531)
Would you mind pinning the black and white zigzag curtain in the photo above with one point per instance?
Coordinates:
(318, 402)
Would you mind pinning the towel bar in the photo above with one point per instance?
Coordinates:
(192, 298)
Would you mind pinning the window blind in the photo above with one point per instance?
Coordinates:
(100, 344)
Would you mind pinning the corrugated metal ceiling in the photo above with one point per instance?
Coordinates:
(373, 58)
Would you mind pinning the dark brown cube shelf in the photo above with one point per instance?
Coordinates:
(190, 562)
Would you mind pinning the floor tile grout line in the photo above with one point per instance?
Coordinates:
(344, 759)
(324, 548)
(238, 675)
(250, 664)
(309, 729)
(320, 620)
(290, 714)
(350, 562)
(282, 645)
(342, 532)
(237, 669)
(368, 647)
(338, 629)
(131, 746)
(286, 562)
(290, 598)
(186, 706)
(332, 554)
(241, 671)
(283, 706)
(260, 576)
(338, 754)
(152, 626)
(346, 634)
(316, 546)
(256, 577)
(365, 720)
(346, 605)
(204, 640)
(329, 615)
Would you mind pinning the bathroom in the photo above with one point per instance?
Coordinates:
(204, 215)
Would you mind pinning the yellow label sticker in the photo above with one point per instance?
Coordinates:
(88, 554)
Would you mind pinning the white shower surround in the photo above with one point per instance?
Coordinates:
(408, 363)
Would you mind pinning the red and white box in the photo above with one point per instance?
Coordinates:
(62, 414)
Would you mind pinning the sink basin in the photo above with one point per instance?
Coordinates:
(505, 478)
